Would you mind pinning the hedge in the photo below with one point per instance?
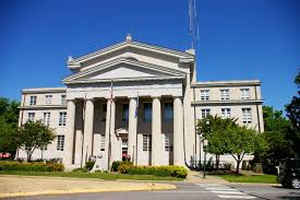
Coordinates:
(173, 171)
(115, 165)
(31, 166)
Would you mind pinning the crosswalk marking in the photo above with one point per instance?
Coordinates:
(225, 192)
(236, 197)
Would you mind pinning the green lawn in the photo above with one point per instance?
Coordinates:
(249, 178)
(105, 176)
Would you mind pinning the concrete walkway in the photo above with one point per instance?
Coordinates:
(197, 177)
(12, 186)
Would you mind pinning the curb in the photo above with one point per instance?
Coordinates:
(151, 187)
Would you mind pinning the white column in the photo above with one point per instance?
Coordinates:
(114, 149)
(69, 136)
(178, 132)
(132, 129)
(88, 130)
(107, 135)
(156, 131)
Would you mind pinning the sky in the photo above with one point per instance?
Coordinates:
(239, 39)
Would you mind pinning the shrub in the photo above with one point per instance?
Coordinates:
(115, 165)
(174, 171)
(89, 165)
(80, 170)
(31, 166)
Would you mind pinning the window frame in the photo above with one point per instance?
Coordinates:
(62, 118)
(224, 94)
(204, 95)
(32, 100)
(247, 115)
(60, 143)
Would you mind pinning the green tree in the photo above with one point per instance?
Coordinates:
(34, 135)
(293, 113)
(212, 129)
(240, 141)
(9, 113)
(276, 132)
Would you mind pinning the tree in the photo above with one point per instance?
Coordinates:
(212, 129)
(276, 133)
(9, 113)
(34, 135)
(240, 141)
(293, 113)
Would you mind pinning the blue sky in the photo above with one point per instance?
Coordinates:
(248, 39)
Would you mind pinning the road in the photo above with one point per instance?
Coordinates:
(188, 191)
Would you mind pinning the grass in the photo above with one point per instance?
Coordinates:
(98, 175)
(249, 178)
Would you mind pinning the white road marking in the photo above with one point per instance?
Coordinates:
(227, 192)
(236, 197)
(220, 189)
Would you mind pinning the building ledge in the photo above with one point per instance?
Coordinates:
(42, 107)
(229, 102)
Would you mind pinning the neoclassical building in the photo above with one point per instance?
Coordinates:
(138, 101)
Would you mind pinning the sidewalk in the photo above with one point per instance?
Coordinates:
(12, 186)
(197, 177)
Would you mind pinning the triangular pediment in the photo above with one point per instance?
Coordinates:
(124, 69)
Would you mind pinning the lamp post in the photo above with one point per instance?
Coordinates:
(204, 149)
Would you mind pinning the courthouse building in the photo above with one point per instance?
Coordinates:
(138, 101)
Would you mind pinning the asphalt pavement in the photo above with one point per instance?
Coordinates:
(188, 191)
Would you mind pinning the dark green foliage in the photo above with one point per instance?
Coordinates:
(173, 171)
(31, 166)
(89, 165)
(212, 129)
(83, 170)
(115, 165)
(9, 113)
(34, 135)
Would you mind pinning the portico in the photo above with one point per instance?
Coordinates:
(124, 122)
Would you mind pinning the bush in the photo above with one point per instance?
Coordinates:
(80, 170)
(34, 166)
(115, 165)
(89, 165)
(174, 171)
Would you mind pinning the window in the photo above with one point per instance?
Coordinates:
(60, 142)
(204, 95)
(31, 116)
(245, 93)
(168, 111)
(125, 112)
(168, 146)
(147, 142)
(147, 112)
(62, 119)
(226, 112)
(46, 118)
(247, 116)
(32, 100)
(205, 112)
(224, 94)
(102, 143)
(63, 99)
(48, 99)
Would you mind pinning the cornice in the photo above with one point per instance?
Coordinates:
(43, 90)
(136, 44)
(232, 83)
(103, 66)
(229, 102)
(42, 107)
